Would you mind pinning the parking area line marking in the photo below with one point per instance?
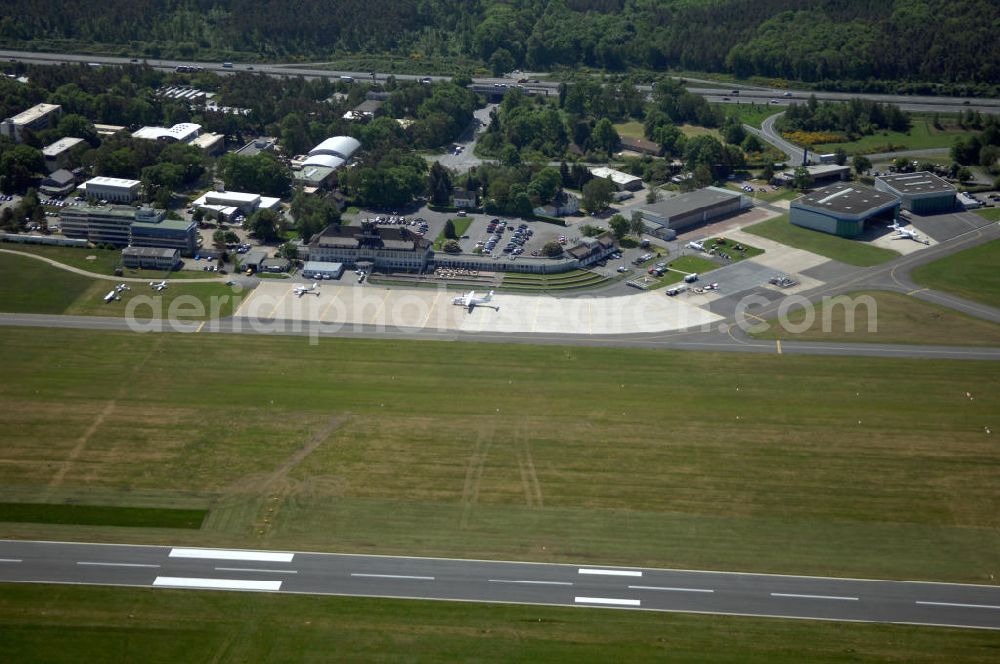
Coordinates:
(201, 326)
(606, 600)
(778, 342)
(251, 569)
(796, 596)
(233, 554)
(430, 311)
(609, 572)
(960, 606)
(214, 584)
(99, 564)
(322, 314)
(539, 583)
(10, 560)
(280, 300)
(393, 576)
(380, 308)
(679, 590)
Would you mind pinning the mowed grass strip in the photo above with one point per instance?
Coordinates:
(897, 319)
(863, 467)
(852, 252)
(28, 285)
(98, 261)
(972, 274)
(102, 515)
(51, 623)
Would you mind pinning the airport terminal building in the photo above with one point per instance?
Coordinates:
(842, 209)
(921, 193)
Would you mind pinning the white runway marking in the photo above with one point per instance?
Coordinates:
(540, 583)
(679, 590)
(606, 600)
(117, 564)
(961, 606)
(215, 584)
(230, 554)
(393, 576)
(849, 599)
(10, 560)
(250, 569)
(609, 572)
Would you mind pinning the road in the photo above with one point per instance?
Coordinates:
(747, 92)
(723, 593)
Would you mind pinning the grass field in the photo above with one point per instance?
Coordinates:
(852, 252)
(686, 265)
(101, 515)
(30, 286)
(78, 624)
(900, 319)
(991, 214)
(631, 129)
(98, 261)
(729, 246)
(461, 225)
(922, 135)
(513, 452)
(691, 131)
(971, 274)
(748, 112)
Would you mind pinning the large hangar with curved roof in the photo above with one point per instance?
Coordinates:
(337, 146)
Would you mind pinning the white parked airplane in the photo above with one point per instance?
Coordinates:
(111, 296)
(121, 288)
(158, 285)
(903, 233)
(470, 301)
(301, 290)
(697, 246)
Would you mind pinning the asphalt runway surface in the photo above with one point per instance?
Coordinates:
(725, 593)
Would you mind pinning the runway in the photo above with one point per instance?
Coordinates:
(723, 593)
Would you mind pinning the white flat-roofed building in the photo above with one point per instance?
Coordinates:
(57, 154)
(36, 118)
(183, 132)
(622, 181)
(213, 144)
(114, 190)
(229, 203)
(322, 270)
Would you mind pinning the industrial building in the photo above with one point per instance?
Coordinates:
(843, 208)
(316, 170)
(389, 248)
(322, 270)
(36, 118)
(170, 233)
(114, 190)
(228, 203)
(211, 144)
(695, 207)
(57, 154)
(59, 183)
(150, 258)
(622, 181)
(183, 132)
(922, 193)
(818, 172)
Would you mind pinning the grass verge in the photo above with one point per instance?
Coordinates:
(922, 135)
(898, 320)
(98, 261)
(542, 453)
(971, 274)
(990, 214)
(49, 623)
(101, 515)
(31, 286)
(852, 252)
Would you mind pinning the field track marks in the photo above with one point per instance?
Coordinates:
(123, 390)
(526, 467)
(317, 439)
(474, 471)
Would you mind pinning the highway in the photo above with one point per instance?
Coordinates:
(748, 93)
(723, 593)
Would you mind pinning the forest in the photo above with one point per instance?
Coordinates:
(895, 45)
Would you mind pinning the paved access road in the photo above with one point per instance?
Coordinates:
(726, 593)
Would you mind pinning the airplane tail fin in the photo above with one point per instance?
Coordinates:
(489, 296)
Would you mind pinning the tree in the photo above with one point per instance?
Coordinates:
(619, 226)
(840, 156)
(802, 179)
(263, 224)
(604, 137)
(652, 195)
(545, 185)
(964, 174)
(862, 164)
(198, 215)
(597, 195)
(452, 247)
(636, 226)
(767, 172)
(261, 173)
(552, 249)
(219, 243)
(231, 237)
(439, 185)
(501, 62)
(449, 230)
(289, 250)
(312, 214)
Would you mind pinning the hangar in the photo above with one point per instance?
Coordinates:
(922, 193)
(680, 212)
(843, 208)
